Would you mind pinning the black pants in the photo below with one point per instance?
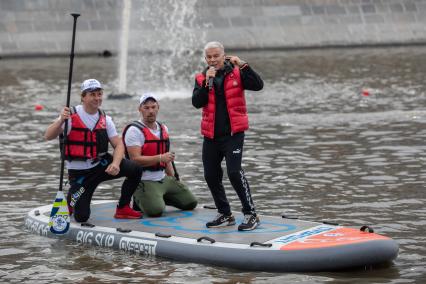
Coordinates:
(230, 148)
(84, 182)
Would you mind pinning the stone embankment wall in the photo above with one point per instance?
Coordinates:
(43, 27)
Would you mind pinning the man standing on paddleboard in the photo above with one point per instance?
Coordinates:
(219, 90)
(88, 162)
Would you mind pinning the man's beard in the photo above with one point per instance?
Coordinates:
(151, 118)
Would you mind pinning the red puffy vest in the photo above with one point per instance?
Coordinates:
(82, 143)
(153, 145)
(235, 102)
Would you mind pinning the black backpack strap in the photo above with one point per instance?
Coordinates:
(138, 124)
(135, 123)
(101, 113)
(162, 137)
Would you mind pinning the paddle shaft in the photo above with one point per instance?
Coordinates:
(61, 178)
(175, 170)
(173, 163)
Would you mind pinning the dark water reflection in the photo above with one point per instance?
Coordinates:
(316, 150)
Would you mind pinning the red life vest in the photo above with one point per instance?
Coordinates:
(235, 103)
(82, 143)
(153, 145)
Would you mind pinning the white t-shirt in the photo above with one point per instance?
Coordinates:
(134, 137)
(90, 121)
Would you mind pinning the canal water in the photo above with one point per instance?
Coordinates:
(317, 149)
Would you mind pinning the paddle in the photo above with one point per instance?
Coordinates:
(59, 221)
(175, 170)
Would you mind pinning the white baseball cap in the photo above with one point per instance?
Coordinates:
(147, 96)
(90, 85)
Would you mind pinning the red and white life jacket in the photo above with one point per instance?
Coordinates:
(153, 145)
(235, 103)
(82, 143)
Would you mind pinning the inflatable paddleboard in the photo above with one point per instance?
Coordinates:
(278, 244)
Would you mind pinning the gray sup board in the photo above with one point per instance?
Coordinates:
(278, 244)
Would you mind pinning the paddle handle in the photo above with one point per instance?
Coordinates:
(61, 178)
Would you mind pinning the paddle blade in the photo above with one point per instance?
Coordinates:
(59, 222)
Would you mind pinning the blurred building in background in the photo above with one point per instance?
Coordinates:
(43, 27)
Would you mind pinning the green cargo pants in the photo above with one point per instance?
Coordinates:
(153, 196)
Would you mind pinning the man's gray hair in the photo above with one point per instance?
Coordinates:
(214, 44)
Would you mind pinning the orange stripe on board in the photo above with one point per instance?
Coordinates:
(337, 237)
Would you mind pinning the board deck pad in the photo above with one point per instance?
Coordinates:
(192, 224)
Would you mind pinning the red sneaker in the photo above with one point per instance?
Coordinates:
(127, 213)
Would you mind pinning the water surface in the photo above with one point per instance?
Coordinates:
(316, 149)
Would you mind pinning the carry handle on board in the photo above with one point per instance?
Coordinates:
(212, 241)
(365, 227)
(87, 224)
(161, 235)
(121, 230)
(257, 244)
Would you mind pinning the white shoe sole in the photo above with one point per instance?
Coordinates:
(251, 228)
(222, 225)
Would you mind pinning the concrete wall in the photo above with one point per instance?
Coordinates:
(43, 27)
